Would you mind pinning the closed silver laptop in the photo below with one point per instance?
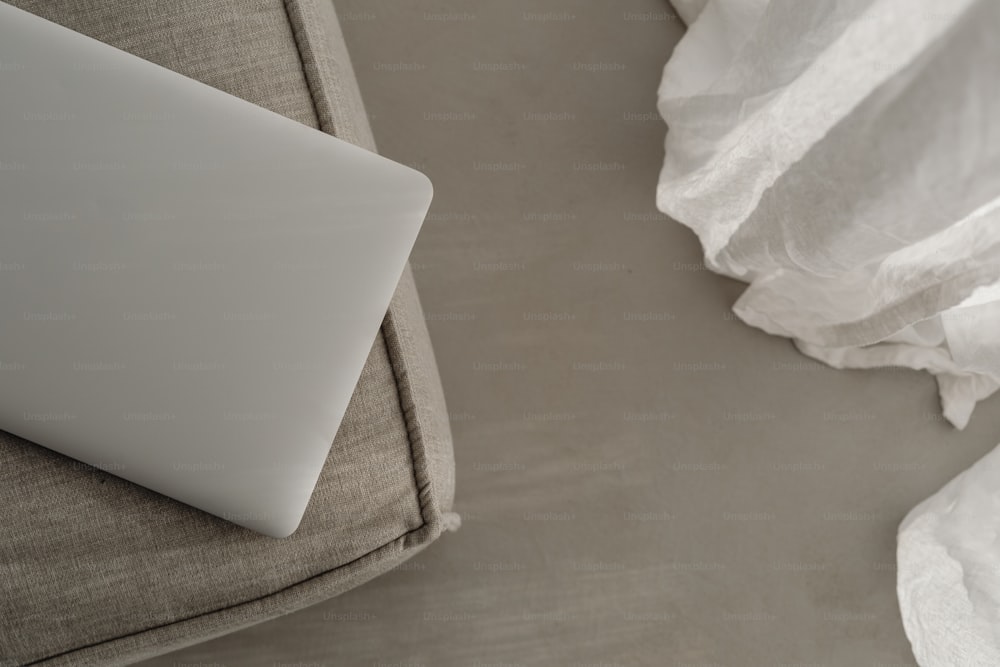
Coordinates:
(189, 284)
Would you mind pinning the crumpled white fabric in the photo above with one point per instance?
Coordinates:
(948, 571)
(844, 159)
(689, 10)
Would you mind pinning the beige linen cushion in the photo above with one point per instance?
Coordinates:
(95, 570)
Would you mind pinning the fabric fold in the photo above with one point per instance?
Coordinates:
(844, 160)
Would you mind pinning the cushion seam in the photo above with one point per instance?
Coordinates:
(414, 429)
(421, 477)
(297, 39)
(405, 537)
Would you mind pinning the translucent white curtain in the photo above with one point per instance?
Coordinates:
(843, 158)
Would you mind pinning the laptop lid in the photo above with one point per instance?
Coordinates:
(190, 284)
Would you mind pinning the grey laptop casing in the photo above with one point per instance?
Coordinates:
(190, 284)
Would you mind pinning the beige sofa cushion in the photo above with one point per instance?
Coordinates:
(95, 570)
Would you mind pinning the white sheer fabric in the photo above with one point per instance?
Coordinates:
(843, 157)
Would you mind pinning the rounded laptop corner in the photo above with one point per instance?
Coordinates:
(281, 527)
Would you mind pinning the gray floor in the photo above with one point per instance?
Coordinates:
(644, 480)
